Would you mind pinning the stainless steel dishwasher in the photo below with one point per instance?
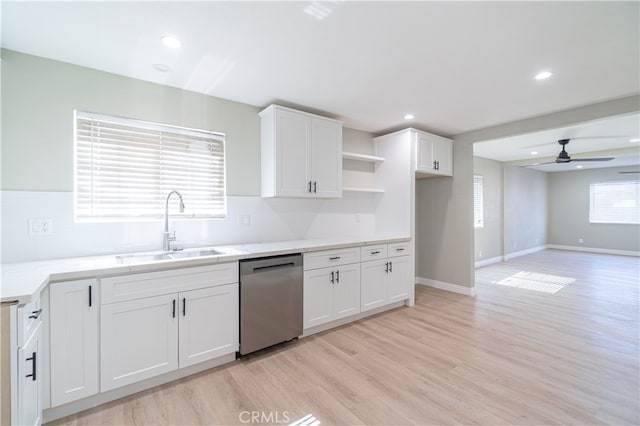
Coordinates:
(270, 301)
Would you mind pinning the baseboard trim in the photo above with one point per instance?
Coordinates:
(595, 250)
(524, 252)
(490, 261)
(454, 288)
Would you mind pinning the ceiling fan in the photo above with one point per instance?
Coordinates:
(563, 156)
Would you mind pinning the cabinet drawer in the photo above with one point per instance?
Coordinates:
(373, 252)
(29, 318)
(398, 249)
(322, 259)
(137, 286)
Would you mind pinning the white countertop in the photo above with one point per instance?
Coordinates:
(21, 281)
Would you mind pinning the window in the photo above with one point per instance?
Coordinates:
(124, 169)
(615, 202)
(478, 202)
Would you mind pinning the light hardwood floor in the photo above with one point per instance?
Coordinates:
(505, 356)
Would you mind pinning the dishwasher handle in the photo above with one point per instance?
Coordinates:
(272, 267)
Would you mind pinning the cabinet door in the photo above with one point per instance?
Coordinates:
(29, 377)
(318, 297)
(398, 280)
(326, 158)
(425, 156)
(373, 284)
(208, 323)
(74, 313)
(346, 291)
(138, 340)
(443, 154)
(293, 134)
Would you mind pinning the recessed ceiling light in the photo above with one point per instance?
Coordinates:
(578, 167)
(543, 75)
(634, 140)
(534, 152)
(409, 116)
(171, 42)
(162, 67)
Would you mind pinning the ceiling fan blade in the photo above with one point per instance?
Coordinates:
(593, 159)
(536, 164)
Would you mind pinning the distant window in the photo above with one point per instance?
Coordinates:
(478, 202)
(124, 169)
(615, 202)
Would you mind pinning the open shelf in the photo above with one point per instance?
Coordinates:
(362, 157)
(359, 189)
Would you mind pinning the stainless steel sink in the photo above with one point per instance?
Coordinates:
(153, 257)
(194, 253)
(141, 258)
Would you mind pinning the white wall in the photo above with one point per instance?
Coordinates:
(569, 212)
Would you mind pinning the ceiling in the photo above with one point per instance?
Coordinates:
(457, 66)
(617, 137)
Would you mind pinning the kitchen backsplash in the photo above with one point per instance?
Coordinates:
(270, 220)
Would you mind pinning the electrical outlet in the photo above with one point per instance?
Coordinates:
(244, 220)
(480, 253)
(580, 240)
(40, 226)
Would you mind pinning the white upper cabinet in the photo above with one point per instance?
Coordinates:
(301, 154)
(434, 154)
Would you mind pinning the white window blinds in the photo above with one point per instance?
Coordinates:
(615, 202)
(125, 168)
(478, 202)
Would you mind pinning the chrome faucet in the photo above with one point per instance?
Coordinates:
(166, 244)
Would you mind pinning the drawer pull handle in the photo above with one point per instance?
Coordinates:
(334, 258)
(337, 276)
(390, 266)
(375, 252)
(35, 314)
(184, 306)
(333, 280)
(33, 367)
(386, 267)
(90, 296)
(173, 313)
(400, 249)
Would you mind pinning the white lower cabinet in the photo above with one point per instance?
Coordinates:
(385, 281)
(74, 331)
(139, 340)
(331, 293)
(373, 285)
(148, 336)
(29, 379)
(208, 323)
